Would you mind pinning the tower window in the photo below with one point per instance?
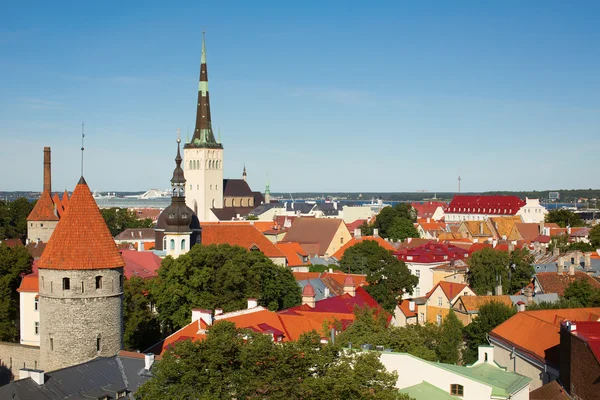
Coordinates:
(36, 328)
(121, 282)
(98, 344)
(98, 282)
(66, 284)
(82, 287)
(172, 244)
(183, 244)
(50, 287)
(51, 343)
(36, 304)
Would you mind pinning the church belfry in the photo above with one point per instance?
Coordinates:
(203, 156)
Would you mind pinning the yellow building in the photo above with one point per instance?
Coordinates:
(441, 298)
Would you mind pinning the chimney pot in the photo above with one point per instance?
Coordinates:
(376, 232)
(148, 361)
(252, 303)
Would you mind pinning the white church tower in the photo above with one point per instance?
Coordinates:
(203, 157)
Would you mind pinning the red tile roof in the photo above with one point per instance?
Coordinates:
(426, 210)
(43, 209)
(589, 332)
(404, 306)
(450, 289)
(380, 241)
(244, 235)
(355, 225)
(29, 283)
(13, 242)
(143, 264)
(308, 290)
(537, 333)
(551, 282)
(314, 230)
(432, 252)
(261, 226)
(499, 205)
(81, 239)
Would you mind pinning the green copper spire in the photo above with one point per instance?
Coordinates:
(203, 58)
(267, 187)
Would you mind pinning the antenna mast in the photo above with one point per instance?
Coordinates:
(82, 148)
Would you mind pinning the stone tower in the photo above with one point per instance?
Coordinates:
(203, 156)
(80, 287)
(177, 228)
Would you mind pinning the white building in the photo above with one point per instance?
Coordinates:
(481, 381)
(29, 310)
(532, 211)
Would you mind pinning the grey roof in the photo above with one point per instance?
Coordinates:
(538, 298)
(302, 208)
(264, 208)
(230, 213)
(101, 376)
(317, 284)
(236, 188)
(135, 234)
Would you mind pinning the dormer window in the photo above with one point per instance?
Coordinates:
(456, 390)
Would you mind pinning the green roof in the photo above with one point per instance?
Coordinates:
(426, 391)
(503, 383)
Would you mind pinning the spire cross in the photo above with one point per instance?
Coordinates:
(82, 148)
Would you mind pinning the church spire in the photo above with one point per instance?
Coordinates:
(203, 132)
(244, 174)
(178, 179)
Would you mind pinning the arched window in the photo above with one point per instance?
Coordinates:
(457, 390)
(98, 282)
(164, 243)
(121, 282)
(66, 284)
(191, 164)
(183, 244)
(172, 243)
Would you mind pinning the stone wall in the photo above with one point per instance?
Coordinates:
(75, 322)
(40, 231)
(14, 356)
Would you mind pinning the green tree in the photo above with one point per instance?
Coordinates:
(521, 270)
(564, 218)
(141, 328)
(489, 267)
(579, 291)
(580, 246)
(392, 222)
(450, 341)
(13, 218)
(388, 277)
(490, 316)
(560, 241)
(235, 363)
(120, 219)
(14, 263)
(221, 276)
(594, 236)
(366, 229)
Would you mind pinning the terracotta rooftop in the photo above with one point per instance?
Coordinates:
(550, 391)
(29, 283)
(432, 252)
(294, 253)
(261, 226)
(551, 282)
(314, 230)
(244, 235)
(537, 333)
(355, 225)
(450, 289)
(427, 209)
(81, 239)
(44, 209)
(380, 241)
(528, 231)
(474, 303)
(143, 264)
(589, 333)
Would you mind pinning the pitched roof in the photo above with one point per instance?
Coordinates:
(236, 188)
(230, 213)
(404, 306)
(144, 264)
(81, 239)
(528, 231)
(589, 333)
(478, 228)
(243, 235)
(135, 234)
(474, 303)
(432, 252)
(355, 225)
(44, 209)
(29, 283)
(380, 241)
(262, 226)
(426, 210)
(550, 391)
(36, 249)
(551, 282)
(450, 289)
(426, 391)
(499, 205)
(293, 253)
(537, 333)
(504, 225)
(314, 230)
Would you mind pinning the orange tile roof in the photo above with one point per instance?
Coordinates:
(65, 200)
(474, 303)
(314, 230)
(404, 306)
(81, 239)
(504, 225)
(43, 209)
(303, 276)
(29, 284)
(380, 241)
(538, 332)
(478, 228)
(340, 277)
(261, 226)
(293, 253)
(244, 235)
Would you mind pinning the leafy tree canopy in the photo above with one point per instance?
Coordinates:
(581, 292)
(387, 276)
(141, 328)
(13, 218)
(119, 219)
(14, 262)
(489, 267)
(395, 222)
(490, 316)
(594, 237)
(220, 276)
(564, 218)
(234, 363)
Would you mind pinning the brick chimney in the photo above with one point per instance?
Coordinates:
(47, 171)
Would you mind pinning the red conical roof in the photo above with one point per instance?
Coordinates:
(81, 239)
(43, 209)
(349, 281)
(308, 290)
(65, 200)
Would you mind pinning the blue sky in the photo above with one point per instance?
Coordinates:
(323, 96)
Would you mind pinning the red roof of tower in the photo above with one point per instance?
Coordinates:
(501, 205)
(43, 209)
(308, 290)
(81, 239)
